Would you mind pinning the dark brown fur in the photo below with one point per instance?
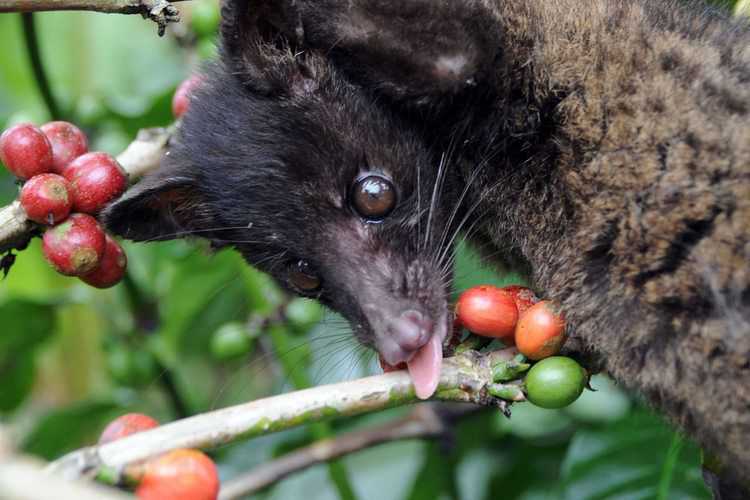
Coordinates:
(605, 143)
(618, 139)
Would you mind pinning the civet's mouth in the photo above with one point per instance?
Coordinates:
(418, 341)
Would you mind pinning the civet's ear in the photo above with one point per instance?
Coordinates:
(261, 43)
(162, 206)
(407, 49)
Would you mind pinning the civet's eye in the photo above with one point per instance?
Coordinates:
(373, 197)
(303, 277)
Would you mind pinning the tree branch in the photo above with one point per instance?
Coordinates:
(105, 6)
(159, 11)
(141, 156)
(24, 478)
(465, 378)
(425, 421)
(15, 229)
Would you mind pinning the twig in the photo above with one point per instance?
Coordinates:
(23, 478)
(15, 229)
(464, 378)
(423, 422)
(105, 6)
(35, 59)
(159, 11)
(145, 152)
(142, 155)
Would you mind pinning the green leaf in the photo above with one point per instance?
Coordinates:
(17, 373)
(33, 279)
(636, 458)
(25, 326)
(69, 428)
(204, 294)
(435, 477)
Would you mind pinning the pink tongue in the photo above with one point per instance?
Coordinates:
(424, 367)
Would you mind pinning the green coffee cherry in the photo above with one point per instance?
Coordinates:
(303, 314)
(131, 367)
(205, 17)
(231, 341)
(555, 382)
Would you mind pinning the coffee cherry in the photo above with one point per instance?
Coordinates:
(522, 296)
(181, 99)
(555, 382)
(95, 179)
(131, 367)
(540, 332)
(112, 267)
(46, 199)
(68, 143)
(76, 246)
(126, 425)
(231, 340)
(25, 151)
(179, 475)
(487, 310)
(204, 18)
(302, 314)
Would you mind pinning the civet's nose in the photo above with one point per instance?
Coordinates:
(406, 334)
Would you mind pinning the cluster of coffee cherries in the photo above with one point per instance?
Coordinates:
(516, 316)
(65, 187)
(181, 474)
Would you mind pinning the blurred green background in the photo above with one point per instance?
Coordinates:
(174, 340)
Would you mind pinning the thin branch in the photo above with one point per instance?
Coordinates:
(105, 6)
(24, 478)
(15, 229)
(159, 11)
(145, 152)
(464, 378)
(424, 422)
(141, 156)
(37, 67)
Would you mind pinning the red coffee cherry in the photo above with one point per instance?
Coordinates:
(112, 268)
(126, 425)
(25, 151)
(488, 311)
(95, 179)
(68, 143)
(46, 199)
(522, 296)
(179, 475)
(540, 332)
(76, 246)
(181, 99)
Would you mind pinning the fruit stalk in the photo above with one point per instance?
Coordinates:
(141, 156)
